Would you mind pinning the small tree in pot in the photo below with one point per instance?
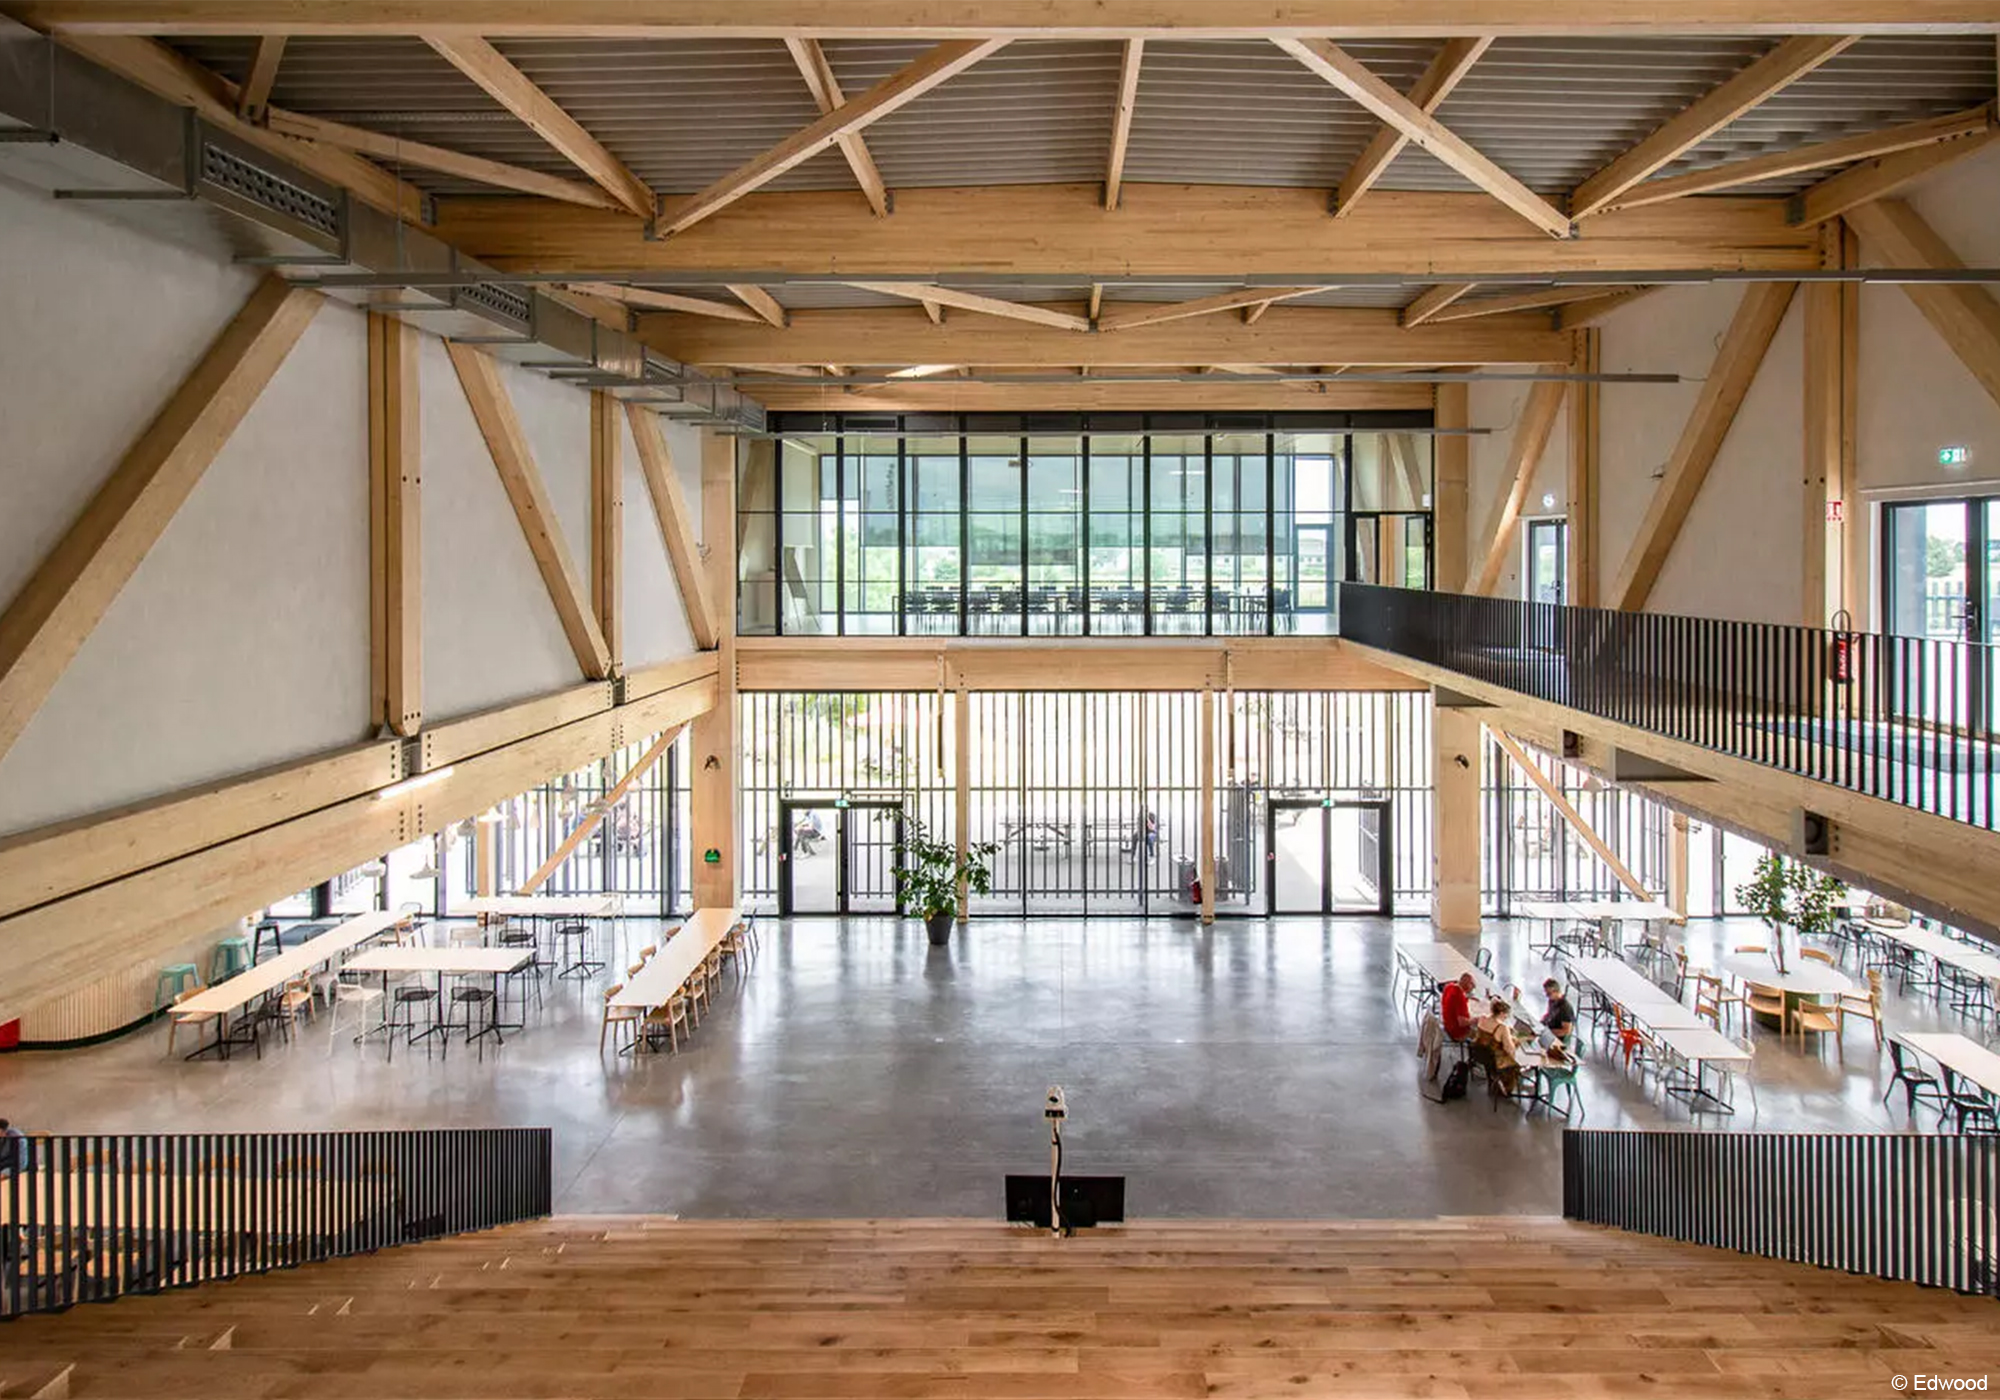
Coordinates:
(927, 876)
(1782, 892)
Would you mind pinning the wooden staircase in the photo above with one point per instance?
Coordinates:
(633, 1307)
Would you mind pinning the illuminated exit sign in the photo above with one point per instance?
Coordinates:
(1954, 456)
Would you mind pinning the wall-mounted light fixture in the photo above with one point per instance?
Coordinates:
(422, 780)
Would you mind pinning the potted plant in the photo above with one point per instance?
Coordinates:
(928, 872)
(1782, 892)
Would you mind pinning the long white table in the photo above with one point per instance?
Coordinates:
(1637, 994)
(1944, 950)
(225, 999)
(1805, 978)
(547, 906)
(1442, 963)
(668, 970)
(1960, 1053)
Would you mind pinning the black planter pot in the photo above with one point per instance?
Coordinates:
(938, 926)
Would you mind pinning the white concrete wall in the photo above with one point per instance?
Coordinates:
(1498, 406)
(242, 639)
(1740, 553)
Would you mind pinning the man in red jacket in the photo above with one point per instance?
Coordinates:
(1455, 1007)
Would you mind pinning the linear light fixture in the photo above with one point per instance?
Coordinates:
(422, 780)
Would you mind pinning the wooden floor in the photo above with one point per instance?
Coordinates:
(645, 1307)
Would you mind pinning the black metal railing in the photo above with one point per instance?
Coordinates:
(90, 1218)
(1892, 1205)
(1907, 719)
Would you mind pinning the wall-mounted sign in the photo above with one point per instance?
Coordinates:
(711, 856)
(1836, 511)
(1954, 456)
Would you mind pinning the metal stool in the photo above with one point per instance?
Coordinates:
(403, 1016)
(231, 956)
(173, 978)
(480, 1001)
(267, 929)
(582, 965)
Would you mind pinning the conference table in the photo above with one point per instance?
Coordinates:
(1957, 1052)
(667, 971)
(226, 999)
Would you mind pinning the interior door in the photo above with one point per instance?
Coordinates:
(1297, 857)
(1313, 568)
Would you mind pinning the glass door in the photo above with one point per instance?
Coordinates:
(1312, 568)
(1547, 574)
(1328, 856)
(1941, 582)
(808, 858)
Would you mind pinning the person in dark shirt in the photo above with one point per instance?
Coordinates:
(1455, 1007)
(1560, 1019)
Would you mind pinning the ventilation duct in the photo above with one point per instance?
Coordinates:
(76, 131)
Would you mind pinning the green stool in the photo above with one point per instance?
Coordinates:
(231, 956)
(173, 977)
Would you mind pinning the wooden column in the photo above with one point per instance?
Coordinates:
(1677, 864)
(485, 860)
(962, 785)
(1828, 507)
(713, 784)
(1580, 587)
(607, 525)
(395, 520)
(1208, 806)
(1455, 814)
(1450, 489)
(1388, 550)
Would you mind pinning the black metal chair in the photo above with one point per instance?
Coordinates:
(407, 1005)
(1971, 1103)
(480, 1008)
(266, 929)
(1917, 1083)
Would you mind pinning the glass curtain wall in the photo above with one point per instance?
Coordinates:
(1158, 533)
(1094, 798)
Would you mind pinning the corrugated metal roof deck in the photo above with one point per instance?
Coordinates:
(683, 113)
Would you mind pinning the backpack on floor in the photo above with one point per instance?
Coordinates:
(1455, 1082)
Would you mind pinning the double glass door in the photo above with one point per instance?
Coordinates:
(1329, 856)
(838, 857)
(1941, 582)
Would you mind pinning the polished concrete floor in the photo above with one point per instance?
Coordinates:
(1254, 1069)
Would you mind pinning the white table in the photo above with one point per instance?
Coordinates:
(1440, 962)
(1702, 1046)
(668, 970)
(440, 963)
(225, 999)
(1626, 986)
(1806, 977)
(547, 906)
(1960, 1053)
(1944, 950)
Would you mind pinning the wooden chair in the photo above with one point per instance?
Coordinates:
(1819, 955)
(1866, 1005)
(1752, 948)
(647, 952)
(1766, 1001)
(174, 1023)
(673, 1014)
(1823, 1018)
(626, 1018)
(1681, 974)
(297, 998)
(635, 969)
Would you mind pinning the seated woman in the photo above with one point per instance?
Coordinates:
(1495, 1031)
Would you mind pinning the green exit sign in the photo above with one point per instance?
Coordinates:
(711, 856)
(1954, 456)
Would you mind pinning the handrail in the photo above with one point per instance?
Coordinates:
(88, 1218)
(1922, 1209)
(1907, 719)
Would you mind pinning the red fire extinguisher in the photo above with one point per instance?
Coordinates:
(1840, 657)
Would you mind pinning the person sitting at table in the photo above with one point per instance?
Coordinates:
(1559, 1021)
(1495, 1031)
(1455, 1007)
